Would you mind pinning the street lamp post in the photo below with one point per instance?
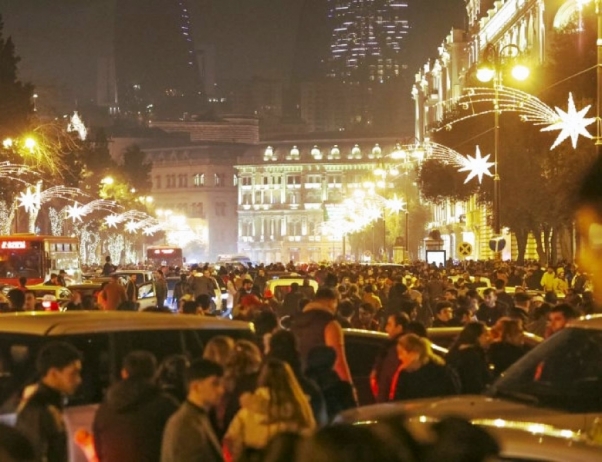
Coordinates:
(494, 62)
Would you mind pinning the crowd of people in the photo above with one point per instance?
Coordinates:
(242, 397)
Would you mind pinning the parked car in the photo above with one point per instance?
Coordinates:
(281, 285)
(104, 338)
(557, 383)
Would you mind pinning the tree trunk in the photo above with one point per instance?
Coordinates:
(522, 236)
(554, 245)
(546, 242)
(564, 238)
(541, 252)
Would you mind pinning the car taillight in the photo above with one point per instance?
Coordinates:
(51, 306)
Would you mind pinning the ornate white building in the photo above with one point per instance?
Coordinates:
(519, 22)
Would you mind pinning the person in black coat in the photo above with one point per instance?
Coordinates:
(129, 423)
(468, 359)
(338, 394)
(422, 374)
(510, 346)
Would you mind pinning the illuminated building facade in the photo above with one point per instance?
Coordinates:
(366, 42)
(288, 191)
(523, 23)
(155, 59)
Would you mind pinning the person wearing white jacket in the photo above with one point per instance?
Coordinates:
(278, 405)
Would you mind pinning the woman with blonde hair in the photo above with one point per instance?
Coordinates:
(510, 346)
(278, 405)
(219, 349)
(240, 380)
(422, 374)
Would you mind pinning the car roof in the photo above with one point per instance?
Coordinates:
(82, 322)
(592, 321)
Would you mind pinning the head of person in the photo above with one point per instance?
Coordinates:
(490, 297)
(365, 313)
(328, 298)
(550, 269)
(417, 328)
(295, 287)
(560, 315)
(474, 334)
(54, 278)
(219, 349)
(108, 259)
(283, 346)
(522, 300)
(59, 365)
(133, 278)
(346, 309)
(247, 285)
(245, 359)
(416, 351)
(205, 383)
(287, 400)
(172, 373)
(444, 311)
(115, 278)
(509, 331)
(190, 307)
(22, 281)
(463, 315)
(16, 299)
(396, 324)
(139, 365)
(500, 284)
(30, 301)
(450, 294)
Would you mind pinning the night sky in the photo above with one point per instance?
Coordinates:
(59, 41)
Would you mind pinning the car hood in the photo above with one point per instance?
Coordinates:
(471, 407)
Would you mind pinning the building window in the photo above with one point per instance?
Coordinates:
(293, 179)
(219, 179)
(235, 180)
(246, 181)
(158, 182)
(183, 181)
(196, 210)
(199, 179)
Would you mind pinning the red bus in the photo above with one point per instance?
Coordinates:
(164, 255)
(36, 257)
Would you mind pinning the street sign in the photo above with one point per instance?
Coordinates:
(465, 249)
(497, 244)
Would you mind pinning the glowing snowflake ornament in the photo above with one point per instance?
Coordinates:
(571, 123)
(75, 212)
(477, 166)
(29, 200)
(131, 227)
(112, 221)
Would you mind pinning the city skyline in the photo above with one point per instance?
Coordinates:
(249, 40)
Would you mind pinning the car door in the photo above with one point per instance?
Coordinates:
(147, 296)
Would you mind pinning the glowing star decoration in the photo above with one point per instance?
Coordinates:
(75, 212)
(477, 166)
(395, 205)
(112, 220)
(29, 200)
(131, 227)
(571, 123)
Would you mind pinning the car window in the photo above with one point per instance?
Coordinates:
(96, 367)
(64, 294)
(146, 290)
(361, 355)
(161, 343)
(564, 372)
(17, 368)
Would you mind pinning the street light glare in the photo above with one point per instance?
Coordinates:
(485, 73)
(520, 72)
(30, 143)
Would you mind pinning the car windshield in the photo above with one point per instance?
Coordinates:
(564, 373)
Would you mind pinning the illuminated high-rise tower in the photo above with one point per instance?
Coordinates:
(366, 41)
(155, 59)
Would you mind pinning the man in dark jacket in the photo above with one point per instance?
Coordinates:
(189, 436)
(41, 416)
(387, 361)
(290, 304)
(129, 424)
